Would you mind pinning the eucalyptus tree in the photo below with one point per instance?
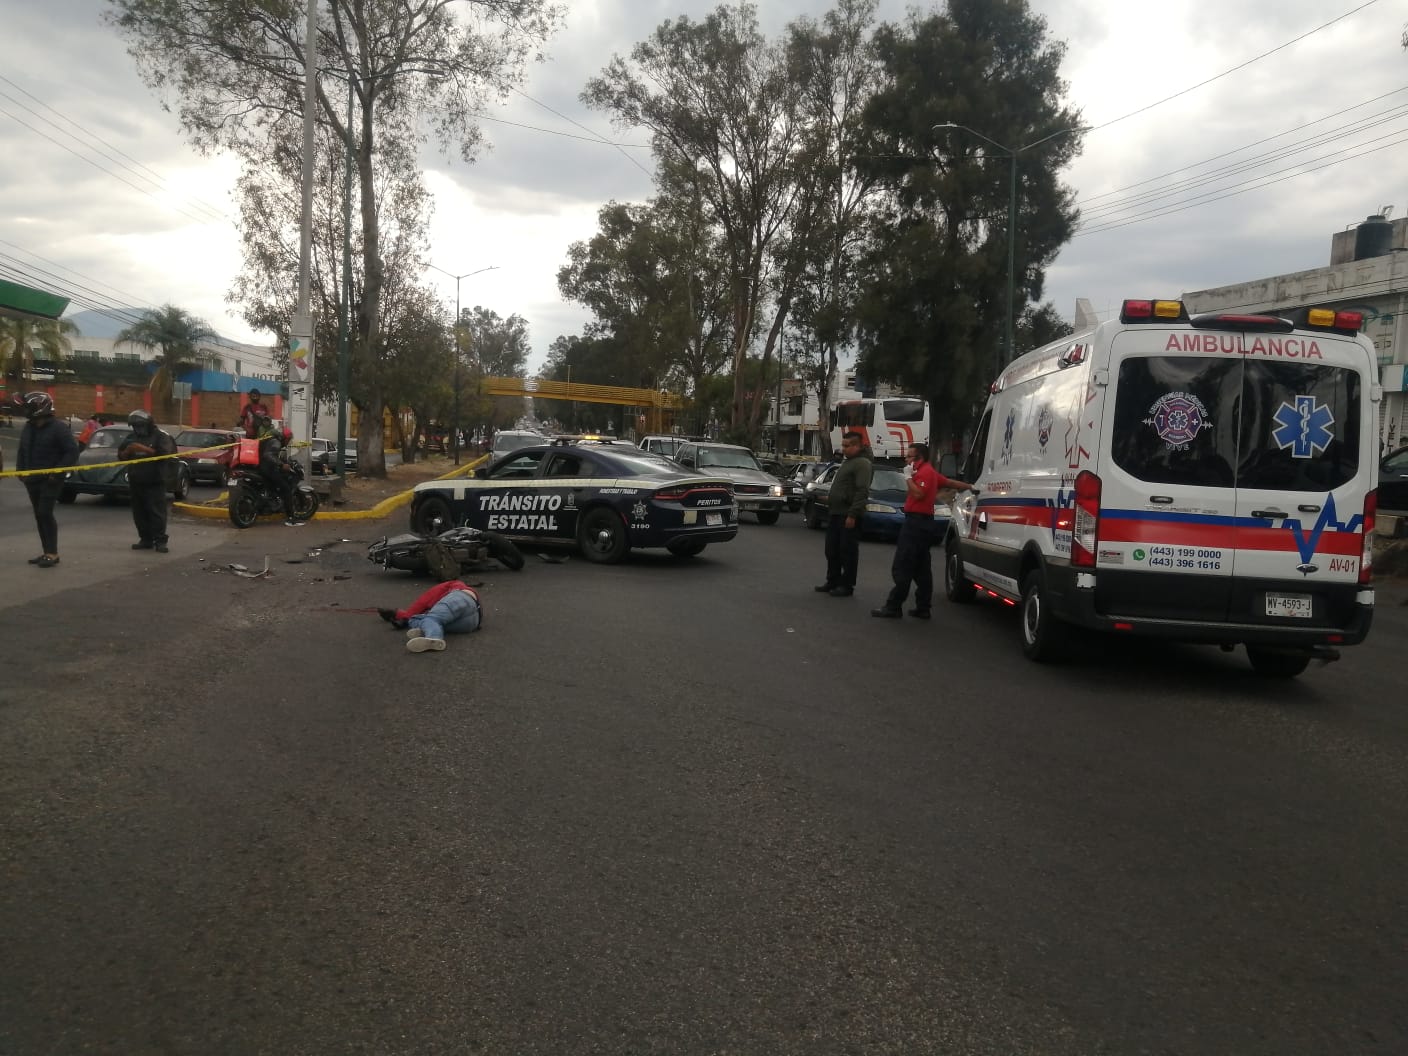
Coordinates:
(717, 96)
(414, 68)
(932, 312)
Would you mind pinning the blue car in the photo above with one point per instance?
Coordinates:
(604, 497)
(884, 509)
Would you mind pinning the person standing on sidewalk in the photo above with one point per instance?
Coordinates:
(448, 607)
(45, 443)
(911, 563)
(845, 506)
(146, 481)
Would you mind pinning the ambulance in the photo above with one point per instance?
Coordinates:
(1207, 479)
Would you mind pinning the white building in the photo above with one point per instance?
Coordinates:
(1368, 272)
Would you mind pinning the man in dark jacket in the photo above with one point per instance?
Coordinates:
(146, 481)
(845, 506)
(273, 464)
(45, 443)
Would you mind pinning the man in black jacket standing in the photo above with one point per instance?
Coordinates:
(845, 506)
(146, 481)
(45, 443)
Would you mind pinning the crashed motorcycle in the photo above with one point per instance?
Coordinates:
(252, 496)
(447, 555)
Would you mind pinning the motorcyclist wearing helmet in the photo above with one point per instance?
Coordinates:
(273, 463)
(148, 481)
(45, 443)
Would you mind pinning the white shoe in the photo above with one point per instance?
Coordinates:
(414, 632)
(425, 645)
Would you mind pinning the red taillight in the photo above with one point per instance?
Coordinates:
(1086, 530)
(1371, 516)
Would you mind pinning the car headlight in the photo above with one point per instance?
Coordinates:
(879, 507)
(777, 491)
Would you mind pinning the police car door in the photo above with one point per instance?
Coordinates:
(1168, 504)
(507, 500)
(566, 475)
(1304, 468)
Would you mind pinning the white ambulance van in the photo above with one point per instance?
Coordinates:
(1202, 480)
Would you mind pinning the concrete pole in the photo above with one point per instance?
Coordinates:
(300, 353)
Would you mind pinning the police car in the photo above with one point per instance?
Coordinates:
(604, 496)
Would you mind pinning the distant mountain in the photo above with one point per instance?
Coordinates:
(108, 324)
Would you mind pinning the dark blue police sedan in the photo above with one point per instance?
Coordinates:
(605, 497)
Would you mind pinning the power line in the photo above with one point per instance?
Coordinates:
(1234, 69)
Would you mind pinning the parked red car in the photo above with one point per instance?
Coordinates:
(209, 467)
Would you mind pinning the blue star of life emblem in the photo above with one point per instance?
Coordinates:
(1303, 427)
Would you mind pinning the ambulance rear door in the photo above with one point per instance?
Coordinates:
(1168, 502)
(1305, 464)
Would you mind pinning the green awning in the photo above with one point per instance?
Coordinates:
(25, 302)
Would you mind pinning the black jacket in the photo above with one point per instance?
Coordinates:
(148, 472)
(46, 447)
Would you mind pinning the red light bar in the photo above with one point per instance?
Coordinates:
(1349, 321)
(1137, 310)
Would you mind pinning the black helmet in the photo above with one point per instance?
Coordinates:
(140, 421)
(36, 404)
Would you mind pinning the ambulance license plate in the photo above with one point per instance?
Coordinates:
(1294, 606)
(713, 518)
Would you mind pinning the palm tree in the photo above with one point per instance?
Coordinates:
(176, 335)
(18, 338)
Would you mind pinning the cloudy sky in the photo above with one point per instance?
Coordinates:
(102, 196)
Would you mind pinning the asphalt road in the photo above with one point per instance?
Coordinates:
(667, 807)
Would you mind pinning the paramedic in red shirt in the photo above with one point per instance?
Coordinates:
(911, 563)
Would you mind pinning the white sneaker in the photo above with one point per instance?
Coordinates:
(414, 632)
(425, 645)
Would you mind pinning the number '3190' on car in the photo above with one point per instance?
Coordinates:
(606, 498)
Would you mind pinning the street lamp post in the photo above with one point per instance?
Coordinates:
(455, 440)
(1012, 153)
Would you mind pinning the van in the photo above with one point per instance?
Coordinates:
(1200, 480)
(506, 440)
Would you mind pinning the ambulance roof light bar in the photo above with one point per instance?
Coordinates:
(1153, 312)
(1337, 320)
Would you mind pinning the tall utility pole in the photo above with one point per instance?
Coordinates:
(456, 424)
(1009, 324)
(300, 345)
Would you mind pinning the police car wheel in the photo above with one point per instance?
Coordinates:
(768, 516)
(1277, 663)
(1042, 637)
(686, 548)
(957, 587)
(602, 536)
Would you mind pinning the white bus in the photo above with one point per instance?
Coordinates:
(889, 423)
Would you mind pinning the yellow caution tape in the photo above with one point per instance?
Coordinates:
(108, 465)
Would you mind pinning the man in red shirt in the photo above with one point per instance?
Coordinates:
(911, 563)
(449, 607)
(250, 412)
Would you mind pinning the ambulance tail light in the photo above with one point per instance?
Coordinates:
(1371, 516)
(1085, 533)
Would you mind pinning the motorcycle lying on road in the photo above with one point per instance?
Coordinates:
(251, 495)
(447, 555)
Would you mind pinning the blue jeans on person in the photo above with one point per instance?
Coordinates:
(457, 612)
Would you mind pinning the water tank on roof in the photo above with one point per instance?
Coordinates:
(1373, 238)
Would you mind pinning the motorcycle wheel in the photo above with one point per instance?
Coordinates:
(305, 504)
(503, 551)
(244, 509)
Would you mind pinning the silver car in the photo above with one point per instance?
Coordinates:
(755, 490)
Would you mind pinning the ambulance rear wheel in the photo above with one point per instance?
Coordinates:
(957, 587)
(1277, 663)
(1043, 636)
